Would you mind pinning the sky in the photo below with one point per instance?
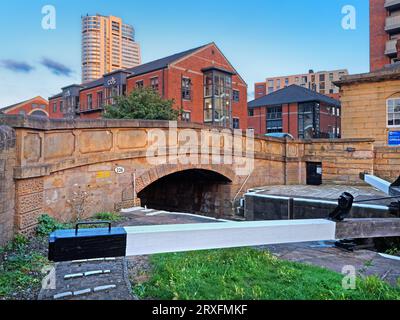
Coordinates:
(261, 38)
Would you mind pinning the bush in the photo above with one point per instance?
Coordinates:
(48, 225)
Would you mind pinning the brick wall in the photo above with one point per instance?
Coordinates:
(7, 187)
(378, 35)
(55, 111)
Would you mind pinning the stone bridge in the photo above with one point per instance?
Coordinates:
(74, 169)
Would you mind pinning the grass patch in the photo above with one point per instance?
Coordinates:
(108, 216)
(250, 274)
(20, 269)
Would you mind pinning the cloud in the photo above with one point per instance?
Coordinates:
(17, 66)
(56, 68)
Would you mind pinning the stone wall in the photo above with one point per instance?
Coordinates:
(387, 163)
(364, 110)
(342, 160)
(7, 186)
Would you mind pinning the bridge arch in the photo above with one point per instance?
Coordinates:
(194, 189)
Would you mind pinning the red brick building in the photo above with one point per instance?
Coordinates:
(201, 81)
(296, 110)
(384, 32)
(37, 106)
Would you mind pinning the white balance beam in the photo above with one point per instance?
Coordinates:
(67, 245)
(188, 237)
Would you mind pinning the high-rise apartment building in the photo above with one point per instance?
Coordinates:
(384, 32)
(108, 44)
(321, 82)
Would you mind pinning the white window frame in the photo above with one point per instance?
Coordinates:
(387, 113)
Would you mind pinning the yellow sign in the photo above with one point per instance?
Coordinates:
(103, 174)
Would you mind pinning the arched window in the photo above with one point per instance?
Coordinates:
(38, 113)
(393, 112)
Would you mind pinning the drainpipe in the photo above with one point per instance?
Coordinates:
(285, 163)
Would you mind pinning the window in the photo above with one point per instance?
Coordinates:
(251, 113)
(89, 101)
(322, 77)
(286, 82)
(308, 118)
(34, 105)
(236, 123)
(274, 119)
(218, 98)
(186, 116)
(154, 83)
(322, 86)
(100, 99)
(393, 112)
(55, 107)
(236, 95)
(270, 83)
(278, 83)
(22, 113)
(140, 84)
(331, 76)
(62, 106)
(186, 89)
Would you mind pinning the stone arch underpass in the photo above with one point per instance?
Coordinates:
(193, 190)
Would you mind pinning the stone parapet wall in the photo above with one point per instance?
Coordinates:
(7, 185)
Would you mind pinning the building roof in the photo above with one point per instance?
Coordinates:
(161, 63)
(389, 72)
(292, 94)
(59, 95)
(21, 103)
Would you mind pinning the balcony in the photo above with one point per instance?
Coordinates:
(392, 5)
(391, 49)
(393, 24)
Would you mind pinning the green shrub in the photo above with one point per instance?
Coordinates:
(48, 225)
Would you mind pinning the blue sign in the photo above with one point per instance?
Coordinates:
(394, 138)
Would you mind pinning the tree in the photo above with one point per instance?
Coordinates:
(143, 104)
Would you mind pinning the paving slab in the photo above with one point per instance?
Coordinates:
(366, 262)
